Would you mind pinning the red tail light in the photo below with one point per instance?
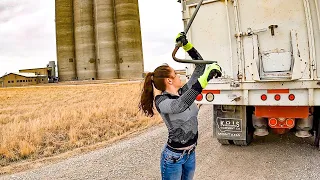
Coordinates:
(277, 97)
(273, 122)
(281, 123)
(290, 122)
(291, 97)
(199, 97)
(264, 97)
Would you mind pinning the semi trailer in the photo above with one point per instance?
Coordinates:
(269, 51)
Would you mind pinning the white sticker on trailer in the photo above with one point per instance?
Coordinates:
(229, 124)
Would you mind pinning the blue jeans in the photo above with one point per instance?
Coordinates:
(177, 166)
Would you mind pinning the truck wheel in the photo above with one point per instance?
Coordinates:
(246, 142)
(316, 125)
(317, 138)
(317, 141)
(243, 143)
(249, 131)
(224, 141)
(240, 143)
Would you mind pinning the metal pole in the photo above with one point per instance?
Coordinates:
(193, 16)
(178, 45)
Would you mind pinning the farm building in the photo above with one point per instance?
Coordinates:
(22, 79)
(27, 77)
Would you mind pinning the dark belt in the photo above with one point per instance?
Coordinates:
(189, 151)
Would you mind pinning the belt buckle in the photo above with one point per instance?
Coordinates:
(191, 149)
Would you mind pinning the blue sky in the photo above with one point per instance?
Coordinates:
(27, 33)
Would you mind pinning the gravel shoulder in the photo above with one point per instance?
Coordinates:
(273, 157)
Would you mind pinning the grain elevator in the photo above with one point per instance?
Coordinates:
(98, 39)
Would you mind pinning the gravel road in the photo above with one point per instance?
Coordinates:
(285, 157)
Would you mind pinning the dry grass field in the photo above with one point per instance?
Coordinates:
(37, 122)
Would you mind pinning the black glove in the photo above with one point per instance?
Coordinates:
(214, 73)
(212, 70)
(181, 37)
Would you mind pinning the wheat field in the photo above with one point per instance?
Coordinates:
(38, 122)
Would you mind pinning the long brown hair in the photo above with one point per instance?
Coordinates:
(156, 79)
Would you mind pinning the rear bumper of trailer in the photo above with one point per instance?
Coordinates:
(291, 93)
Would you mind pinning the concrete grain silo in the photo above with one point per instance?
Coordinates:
(65, 40)
(106, 53)
(98, 39)
(84, 40)
(129, 38)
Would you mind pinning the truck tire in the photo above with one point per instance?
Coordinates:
(224, 141)
(241, 143)
(317, 127)
(317, 138)
(245, 142)
(249, 131)
(237, 142)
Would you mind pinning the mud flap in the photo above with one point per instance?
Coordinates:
(230, 124)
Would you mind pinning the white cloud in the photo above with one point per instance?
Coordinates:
(160, 23)
(27, 33)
